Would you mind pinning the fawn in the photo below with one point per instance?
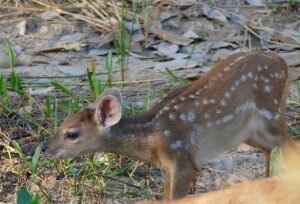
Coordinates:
(240, 100)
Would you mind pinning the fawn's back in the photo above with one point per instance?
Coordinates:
(240, 99)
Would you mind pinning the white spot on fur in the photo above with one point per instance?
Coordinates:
(192, 96)
(176, 107)
(265, 113)
(197, 103)
(266, 67)
(182, 98)
(206, 115)
(218, 122)
(166, 108)
(250, 75)
(259, 68)
(227, 94)
(232, 88)
(246, 106)
(267, 80)
(226, 69)
(212, 101)
(243, 77)
(205, 86)
(167, 133)
(239, 58)
(220, 75)
(183, 117)
(255, 85)
(205, 101)
(176, 145)
(256, 78)
(267, 88)
(276, 117)
(218, 111)
(209, 124)
(173, 101)
(191, 116)
(172, 116)
(227, 118)
(223, 102)
(275, 101)
(198, 93)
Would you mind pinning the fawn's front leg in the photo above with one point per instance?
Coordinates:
(178, 179)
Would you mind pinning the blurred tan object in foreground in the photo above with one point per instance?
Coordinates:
(283, 189)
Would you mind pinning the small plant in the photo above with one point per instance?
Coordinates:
(178, 80)
(48, 109)
(109, 68)
(68, 92)
(15, 79)
(20, 152)
(11, 54)
(4, 91)
(94, 82)
(24, 197)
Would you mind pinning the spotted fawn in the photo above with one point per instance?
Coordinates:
(240, 100)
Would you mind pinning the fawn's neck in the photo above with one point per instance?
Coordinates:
(130, 136)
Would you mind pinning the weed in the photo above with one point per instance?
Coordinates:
(20, 152)
(94, 82)
(109, 68)
(4, 91)
(180, 81)
(68, 92)
(48, 109)
(24, 197)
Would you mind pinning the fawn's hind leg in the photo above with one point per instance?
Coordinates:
(266, 153)
(274, 133)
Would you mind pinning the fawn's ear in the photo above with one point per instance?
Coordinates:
(109, 107)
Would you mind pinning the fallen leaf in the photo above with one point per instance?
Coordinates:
(71, 70)
(175, 64)
(191, 34)
(100, 52)
(40, 91)
(166, 49)
(212, 13)
(291, 58)
(256, 2)
(175, 39)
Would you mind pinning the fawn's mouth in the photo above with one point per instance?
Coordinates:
(52, 154)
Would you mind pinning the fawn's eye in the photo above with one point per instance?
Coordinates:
(71, 135)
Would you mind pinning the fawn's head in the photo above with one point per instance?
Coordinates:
(84, 131)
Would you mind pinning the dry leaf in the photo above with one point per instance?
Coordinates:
(214, 14)
(166, 49)
(256, 2)
(172, 38)
(291, 58)
(175, 64)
